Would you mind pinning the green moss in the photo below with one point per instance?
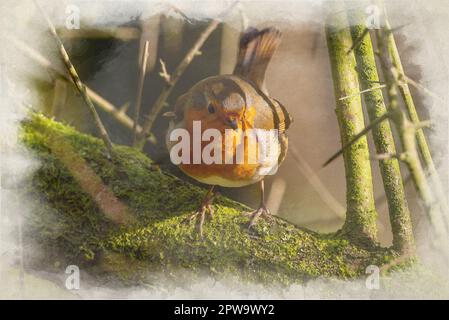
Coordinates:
(69, 226)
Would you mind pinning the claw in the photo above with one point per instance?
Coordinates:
(200, 214)
(263, 212)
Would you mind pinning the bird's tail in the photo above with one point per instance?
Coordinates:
(255, 52)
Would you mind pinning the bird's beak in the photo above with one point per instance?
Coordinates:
(233, 123)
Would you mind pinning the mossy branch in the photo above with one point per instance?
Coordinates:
(361, 213)
(73, 224)
(400, 219)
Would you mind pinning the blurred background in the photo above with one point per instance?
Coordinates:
(107, 54)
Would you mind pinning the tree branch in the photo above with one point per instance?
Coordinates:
(78, 83)
(361, 214)
(160, 101)
(407, 130)
(118, 114)
(400, 219)
(142, 74)
(275, 253)
(403, 87)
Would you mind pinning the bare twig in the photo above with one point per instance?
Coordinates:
(124, 108)
(78, 83)
(407, 130)
(357, 137)
(164, 74)
(175, 9)
(388, 156)
(118, 114)
(142, 73)
(160, 101)
(423, 124)
(419, 86)
(363, 91)
(403, 87)
(433, 195)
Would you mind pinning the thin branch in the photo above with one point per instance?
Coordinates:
(423, 124)
(164, 74)
(407, 130)
(388, 156)
(124, 108)
(419, 86)
(118, 114)
(175, 9)
(78, 83)
(363, 91)
(142, 73)
(357, 137)
(161, 100)
(423, 147)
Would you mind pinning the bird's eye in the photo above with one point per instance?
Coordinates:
(210, 108)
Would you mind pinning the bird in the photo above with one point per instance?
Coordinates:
(233, 105)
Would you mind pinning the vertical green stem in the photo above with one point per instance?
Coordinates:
(383, 138)
(406, 130)
(361, 214)
(408, 99)
(422, 144)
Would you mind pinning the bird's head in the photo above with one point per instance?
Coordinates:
(218, 102)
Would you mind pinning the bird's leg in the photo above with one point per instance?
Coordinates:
(200, 214)
(262, 211)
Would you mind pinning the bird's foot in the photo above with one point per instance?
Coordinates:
(262, 212)
(200, 214)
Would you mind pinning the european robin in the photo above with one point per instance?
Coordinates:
(233, 105)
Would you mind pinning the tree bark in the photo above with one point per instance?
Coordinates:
(361, 213)
(400, 220)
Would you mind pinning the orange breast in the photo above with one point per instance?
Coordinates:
(247, 167)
